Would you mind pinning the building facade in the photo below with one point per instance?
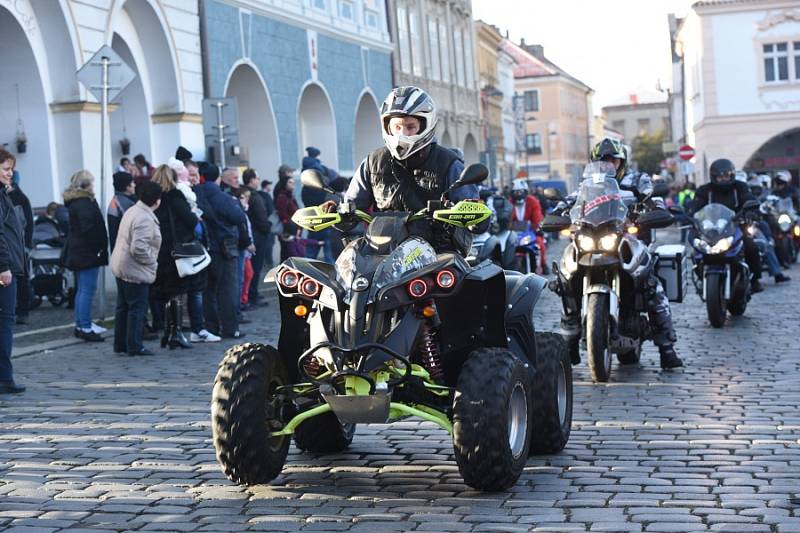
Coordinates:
(505, 73)
(48, 41)
(435, 50)
(637, 119)
(491, 95)
(555, 114)
(304, 73)
(741, 82)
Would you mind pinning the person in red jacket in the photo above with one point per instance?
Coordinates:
(527, 208)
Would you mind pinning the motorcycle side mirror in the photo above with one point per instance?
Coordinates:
(656, 219)
(551, 193)
(555, 223)
(313, 179)
(472, 175)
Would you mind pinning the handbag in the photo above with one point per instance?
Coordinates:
(276, 226)
(190, 257)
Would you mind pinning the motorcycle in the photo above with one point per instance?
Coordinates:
(605, 267)
(526, 249)
(785, 227)
(497, 242)
(396, 329)
(720, 274)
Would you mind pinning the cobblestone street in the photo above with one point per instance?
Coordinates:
(105, 442)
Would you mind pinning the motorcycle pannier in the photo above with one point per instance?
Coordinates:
(672, 268)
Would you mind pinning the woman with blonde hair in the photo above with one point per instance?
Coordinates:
(86, 249)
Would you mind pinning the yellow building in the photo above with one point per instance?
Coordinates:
(488, 42)
(553, 116)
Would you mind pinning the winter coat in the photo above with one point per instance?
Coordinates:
(258, 214)
(87, 242)
(222, 213)
(168, 284)
(286, 205)
(12, 237)
(135, 257)
(19, 199)
(116, 208)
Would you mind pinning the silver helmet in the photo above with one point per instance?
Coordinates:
(408, 101)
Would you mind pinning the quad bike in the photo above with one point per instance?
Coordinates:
(395, 329)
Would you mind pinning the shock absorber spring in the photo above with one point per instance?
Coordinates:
(430, 353)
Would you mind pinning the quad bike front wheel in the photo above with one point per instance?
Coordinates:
(324, 434)
(491, 419)
(245, 410)
(552, 395)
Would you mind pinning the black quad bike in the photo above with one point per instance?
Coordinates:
(395, 329)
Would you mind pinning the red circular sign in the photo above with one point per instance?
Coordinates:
(686, 152)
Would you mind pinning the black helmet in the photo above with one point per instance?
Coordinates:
(722, 173)
(611, 148)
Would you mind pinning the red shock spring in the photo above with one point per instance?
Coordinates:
(430, 354)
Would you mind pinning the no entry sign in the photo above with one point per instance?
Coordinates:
(686, 152)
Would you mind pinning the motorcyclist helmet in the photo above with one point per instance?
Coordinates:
(765, 180)
(519, 191)
(756, 186)
(608, 150)
(741, 175)
(722, 174)
(782, 178)
(408, 101)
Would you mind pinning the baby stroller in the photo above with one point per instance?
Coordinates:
(48, 278)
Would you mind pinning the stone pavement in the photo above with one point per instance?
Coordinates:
(103, 442)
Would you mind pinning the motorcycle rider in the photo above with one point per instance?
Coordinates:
(528, 209)
(411, 169)
(726, 190)
(758, 189)
(658, 308)
(783, 188)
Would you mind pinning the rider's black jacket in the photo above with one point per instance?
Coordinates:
(733, 196)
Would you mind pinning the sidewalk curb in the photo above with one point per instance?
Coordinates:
(44, 347)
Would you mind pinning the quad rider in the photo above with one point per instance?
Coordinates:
(658, 308)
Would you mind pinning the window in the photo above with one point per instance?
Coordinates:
(797, 60)
(433, 49)
(458, 48)
(346, 9)
(618, 125)
(776, 62)
(416, 42)
(402, 35)
(533, 143)
(445, 50)
(531, 100)
(319, 4)
(371, 18)
(644, 125)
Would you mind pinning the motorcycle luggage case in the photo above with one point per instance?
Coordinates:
(672, 268)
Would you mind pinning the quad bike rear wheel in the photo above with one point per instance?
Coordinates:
(552, 395)
(244, 411)
(324, 434)
(491, 419)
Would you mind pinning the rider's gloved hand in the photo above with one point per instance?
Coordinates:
(329, 206)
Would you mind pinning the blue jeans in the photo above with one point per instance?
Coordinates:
(312, 248)
(221, 301)
(129, 316)
(258, 259)
(8, 300)
(87, 285)
(194, 303)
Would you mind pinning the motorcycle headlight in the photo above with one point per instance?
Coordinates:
(785, 222)
(525, 241)
(608, 242)
(722, 245)
(585, 243)
(701, 245)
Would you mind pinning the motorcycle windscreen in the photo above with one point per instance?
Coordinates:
(716, 222)
(599, 202)
(410, 256)
(785, 205)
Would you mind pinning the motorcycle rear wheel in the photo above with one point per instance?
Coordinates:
(599, 355)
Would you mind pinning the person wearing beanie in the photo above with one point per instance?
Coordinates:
(183, 155)
(124, 198)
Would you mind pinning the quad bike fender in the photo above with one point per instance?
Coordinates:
(522, 293)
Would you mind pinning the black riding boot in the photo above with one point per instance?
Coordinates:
(173, 336)
(669, 359)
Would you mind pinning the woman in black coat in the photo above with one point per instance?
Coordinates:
(86, 249)
(177, 226)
